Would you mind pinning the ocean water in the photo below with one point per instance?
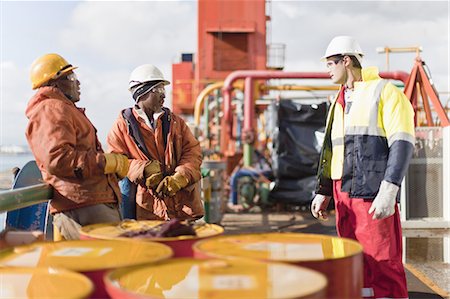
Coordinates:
(9, 161)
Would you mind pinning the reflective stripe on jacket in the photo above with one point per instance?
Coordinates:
(65, 146)
(378, 139)
(182, 155)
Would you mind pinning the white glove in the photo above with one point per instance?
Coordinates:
(319, 206)
(384, 202)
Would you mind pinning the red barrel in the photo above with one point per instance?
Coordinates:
(215, 279)
(91, 258)
(181, 246)
(339, 259)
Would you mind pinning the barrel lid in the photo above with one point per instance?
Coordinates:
(43, 283)
(216, 278)
(114, 230)
(288, 247)
(86, 255)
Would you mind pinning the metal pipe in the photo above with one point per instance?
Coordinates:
(201, 97)
(261, 74)
(254, 74)
(24, 197)
(299, 87)
(249, 117)
(397, 75)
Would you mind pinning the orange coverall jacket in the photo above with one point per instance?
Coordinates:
(68, 153)
(182, 154)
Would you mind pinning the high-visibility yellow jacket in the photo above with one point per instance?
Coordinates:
(372, 140)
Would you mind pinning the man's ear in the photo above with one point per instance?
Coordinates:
(347, 61)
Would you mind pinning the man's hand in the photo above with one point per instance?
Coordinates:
(170, 185)
(383, 205)
(319, 206)
(153, 174)
(116, 163)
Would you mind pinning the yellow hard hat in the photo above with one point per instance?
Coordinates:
(48, 67)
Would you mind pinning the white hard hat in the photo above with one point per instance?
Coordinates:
(344, 45)
(146, 73)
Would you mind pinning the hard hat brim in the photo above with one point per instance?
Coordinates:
(45, 80)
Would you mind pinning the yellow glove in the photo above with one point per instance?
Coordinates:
(116, 163)
(170, 185)
(153, 174)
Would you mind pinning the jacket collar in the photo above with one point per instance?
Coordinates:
(368, 74)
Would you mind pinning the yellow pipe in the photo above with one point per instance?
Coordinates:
(198, 107)
(200, 99)
(204, 93)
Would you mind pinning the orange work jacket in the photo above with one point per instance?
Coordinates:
(68, 153)
(182, 154)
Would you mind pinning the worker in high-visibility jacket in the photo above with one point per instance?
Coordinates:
(369, 141)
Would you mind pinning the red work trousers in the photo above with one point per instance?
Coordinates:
(384, 275)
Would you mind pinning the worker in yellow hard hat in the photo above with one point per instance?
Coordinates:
(165, 157)
(67, 151)
(368, 144)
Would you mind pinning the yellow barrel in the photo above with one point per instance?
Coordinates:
(43, 283)
(340, 259)
(181, 246)
(215, 279)
(91, 258)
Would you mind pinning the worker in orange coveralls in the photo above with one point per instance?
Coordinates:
(68, 153)
(368, 144)
(165, 156)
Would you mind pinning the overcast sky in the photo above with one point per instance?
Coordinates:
(106, 40)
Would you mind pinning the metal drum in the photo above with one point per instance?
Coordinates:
(215, 279)
(43, 283)
(214, 209)
(341, 260)
(181, 246)
(91, 258)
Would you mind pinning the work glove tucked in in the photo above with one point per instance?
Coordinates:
(319, 206)
(152, 174)
(116, 163)
(170, 185)
(384, 202)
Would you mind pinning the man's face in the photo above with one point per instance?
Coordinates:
(70, 86)
(153, 100)
(336, 69)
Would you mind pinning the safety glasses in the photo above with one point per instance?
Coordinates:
(158, 89)
(332, 63)
(71, 77)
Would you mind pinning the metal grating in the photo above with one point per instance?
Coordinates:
(424, 179)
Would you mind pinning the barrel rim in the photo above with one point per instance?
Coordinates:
(166, 253)
(57, 271)
(197, 245)
(217, 228)
(111, 282)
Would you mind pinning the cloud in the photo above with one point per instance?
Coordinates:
(306, 27)
(13, 99)
(131, 33)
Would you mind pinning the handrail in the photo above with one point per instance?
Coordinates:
(24, 197)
